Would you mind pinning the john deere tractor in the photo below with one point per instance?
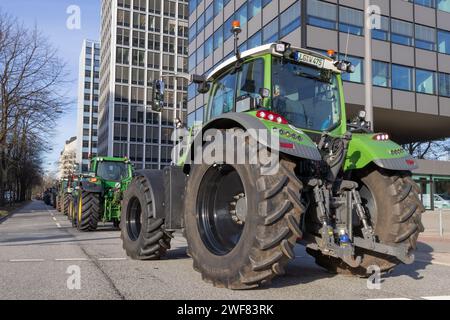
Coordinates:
(337, 187)
(99, 194)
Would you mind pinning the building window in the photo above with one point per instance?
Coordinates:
(121, 112)
(382, 33)
(153, 60)
(192, 6)
(254, 7)
(443, 5)
(425, 3)
(218, 38)
(255, 40)
(270, 32)
(154, 42)
(208, 46)
(380, 72)
(139, 39)
(444, 84)
(192, 61)
(139, 20)
(241, 15)
(290, 19)
(120, 132)
(123, 37)
(123, 18)
(192, 32)
(425, 81)
(322, 14)
(154, 6)
(154, 24)
(444, 42)
(402, 32)
(122, 74)
(200, 23)
(357, 76)
(402, 77)
(218, 7)
(227, 33)
(351, 21)
(121, 94)
(209, 14)
(123, 56)
(136, 133)
(138, 76)
(425, 37)
(138, 58)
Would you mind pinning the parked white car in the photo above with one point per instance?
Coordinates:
(439, 202)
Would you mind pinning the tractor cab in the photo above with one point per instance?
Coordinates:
(111, 170)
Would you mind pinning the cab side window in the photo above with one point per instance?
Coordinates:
(223, 97)
(251, 79)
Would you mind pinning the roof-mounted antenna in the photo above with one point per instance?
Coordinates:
(346, 46)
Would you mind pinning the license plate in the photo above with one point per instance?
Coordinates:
(306, 58)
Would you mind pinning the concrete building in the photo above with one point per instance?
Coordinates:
(67, 161)
(142, 41)
(411, 52)
(88, 96)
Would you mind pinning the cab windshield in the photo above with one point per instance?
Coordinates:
(307, 97)
(112, 171)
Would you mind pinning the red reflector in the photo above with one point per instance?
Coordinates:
(410, 162)
(287, 145)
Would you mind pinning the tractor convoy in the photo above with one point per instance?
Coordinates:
(336, 187)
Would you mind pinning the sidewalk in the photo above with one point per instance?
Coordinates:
(7, 210)
(431, 222)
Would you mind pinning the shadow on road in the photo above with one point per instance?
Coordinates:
(423, 259)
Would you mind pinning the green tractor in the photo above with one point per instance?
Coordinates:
(64, 195)
(338, 188)
(99, 194)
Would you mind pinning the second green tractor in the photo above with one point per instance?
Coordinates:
(98, 194)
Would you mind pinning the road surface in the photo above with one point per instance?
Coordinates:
(38, 247)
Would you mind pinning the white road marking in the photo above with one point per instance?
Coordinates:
(112, 259)
(27, 260)
(437, 298)
(58, 225)
(389, 299)
(72, 259)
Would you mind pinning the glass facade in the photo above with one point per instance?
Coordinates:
(150, 42)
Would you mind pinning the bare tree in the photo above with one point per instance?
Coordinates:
(31, 80)
(431, 150)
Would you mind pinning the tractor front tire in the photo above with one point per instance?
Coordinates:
(89, 211)
(143, 235)
(396, 220)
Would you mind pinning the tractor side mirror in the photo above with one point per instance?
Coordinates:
(158, 95)
(202, 84)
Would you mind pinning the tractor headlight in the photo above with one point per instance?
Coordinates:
(118, 185)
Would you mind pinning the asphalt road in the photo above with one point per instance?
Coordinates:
(38, 246)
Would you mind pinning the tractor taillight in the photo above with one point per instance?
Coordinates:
(271, 116)
(93, 180)
(410, 162)
(381, 137)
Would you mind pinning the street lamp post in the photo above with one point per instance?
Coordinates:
(368, 64)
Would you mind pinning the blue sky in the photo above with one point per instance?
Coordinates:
(50, 17)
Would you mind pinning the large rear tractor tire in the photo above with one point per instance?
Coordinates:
(89, 211)
(66, 204)
(241, 225)
(143, 235)
(395, 210)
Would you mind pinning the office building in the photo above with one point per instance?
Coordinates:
(88, 95)
(142, 41)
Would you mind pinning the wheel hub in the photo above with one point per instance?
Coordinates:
(238, 209)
